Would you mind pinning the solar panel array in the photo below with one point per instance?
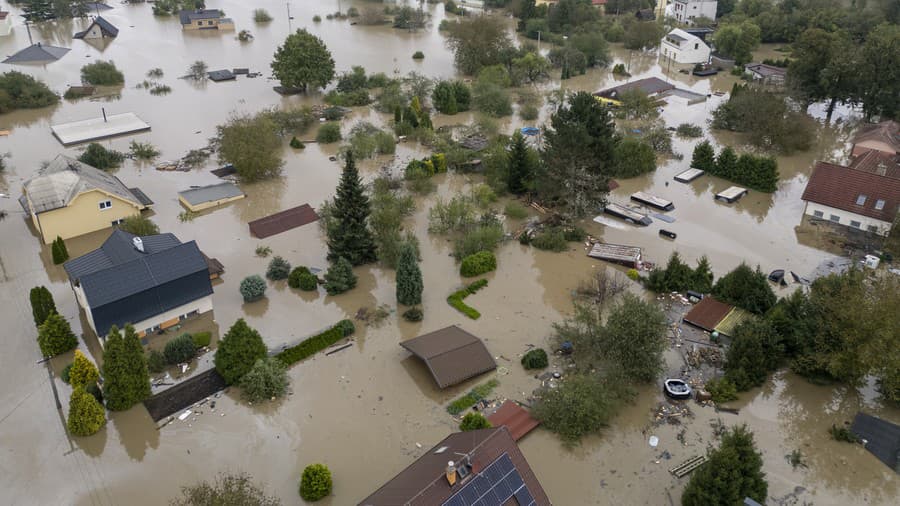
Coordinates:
(493, 487)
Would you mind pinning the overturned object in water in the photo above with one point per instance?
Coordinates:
(666, 233)
(677, 389)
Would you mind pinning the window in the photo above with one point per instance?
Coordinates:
(835, 218)
(879, 205)
(873, 229)
(818, 214)
(118, 222)
(861, 200)
(210, 23)
(696, 45)
(106, 204)
(855, 224)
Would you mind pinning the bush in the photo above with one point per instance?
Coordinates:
(733, 473)
(347, 327)
(340, 277)
(261, 16)
(156, 362)
(721, 390)
(477, 264)
(21, 91)
(101, 158)
(515, 210)
(202, 339)
(102, 73)
(474, 421)
(296, 144)
(317, 343)
(143, 150)
(139, 225)
(535, 359)
(86, 415)
(352, 12)
(279, 268)
(484, 237)
(529, 112)
(746, 289)
(238, 350)
(66, 371)
(180, 350)
(263, 251)
(551, 239)
(580, 405)
(328, 133)
(58, 251)
(253, 288)
(294, 276)
(317, 19)
(633, 274)
(308, 282)
(55, 336)
(353, 98)
(413, 314)
(83, 372)
(689, 130)
(266, 380)
(842, 434)
(456, 299)
(315, 482)
(228, 489)
(476, 394)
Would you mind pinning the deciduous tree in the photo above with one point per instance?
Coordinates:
(252, 145)
(737, 40)
(302, 61)
(745, 288)
(477, 42)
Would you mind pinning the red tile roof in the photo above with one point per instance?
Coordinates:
(707, 313)
(839, 187)
(515, 418)
(280, 222)
(878, 162)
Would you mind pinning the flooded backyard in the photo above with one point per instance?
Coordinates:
(370, 410)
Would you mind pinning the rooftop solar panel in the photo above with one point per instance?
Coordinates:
(493, 486)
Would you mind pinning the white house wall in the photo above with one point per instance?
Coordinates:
(200, 305)
(846, 217)
(685, 11)
(687, 54)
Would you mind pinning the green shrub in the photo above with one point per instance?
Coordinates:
(309, 282)
(474, 421)
(179, 350)
(41, 304)
(842, 434)
(418, 55)
(529, 112)
(296, 144)
(267, 379)
(143, 150)
(535, 359)
(58, 251)
(263, 251)
(476, 394)
(456, 299)
(55, 336)
(515, 210)
(317, 19)
(94, 390)
(551, 239)
(238, 350)
(633, 274)
(261, 16)
(102, 73)
(202, 339)
(64, 374)
(317, 343)
(253, 288)
(484, 237)
(101, 158)
(294, 276)
(279, 268)
(156, 362)
(315, 482)
(340, 277)
(721, 390)
(689, 130)
(21, 91)
(477, 264)
(413, 314)
(328, 133)
(86, 415)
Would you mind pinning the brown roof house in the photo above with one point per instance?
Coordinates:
(452, 355)
(483, 467)
(861, 199)
(883, 137)
(713, 315)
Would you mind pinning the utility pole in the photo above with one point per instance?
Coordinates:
(289, 16)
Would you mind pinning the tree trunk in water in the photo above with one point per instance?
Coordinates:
(830, 110)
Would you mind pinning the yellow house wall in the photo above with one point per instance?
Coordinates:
(83, 215)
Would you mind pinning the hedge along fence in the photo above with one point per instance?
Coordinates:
(456, 299)
(310, 346)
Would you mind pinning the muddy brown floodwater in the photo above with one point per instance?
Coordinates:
(366, 410)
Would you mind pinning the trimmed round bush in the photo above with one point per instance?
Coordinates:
(156, 362)
(328, 133)
(418, 55)
(413, 314)
(315, 482)
(633, 274)
(347, 327)
(478, 263)
(474, 421)
(64, 374)
(279, 268)
(294, 276)
(202, 339)
(309, 282)
(535, 359)
(296, 144)
(253, 288)
(180, 350)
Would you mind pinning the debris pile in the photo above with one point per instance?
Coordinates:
(672, 414)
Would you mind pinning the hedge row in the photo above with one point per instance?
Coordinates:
(456, 299)
(476, 394)
(317, 343)
(478, 263)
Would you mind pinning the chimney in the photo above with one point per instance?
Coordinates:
(451, 473)
(138, 244)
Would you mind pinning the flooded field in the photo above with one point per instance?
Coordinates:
(366, 411)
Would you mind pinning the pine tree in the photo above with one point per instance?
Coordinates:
(55, 336)
(41, 304)
(733, 472)
(349, 237)
(125, 377)
(409, 277)
(726, 163)
(238, 350)
(279, 268)
(58, 251)
(83, 372)
(521, 166)
(340, 277)
(704, 157)
(86, 415)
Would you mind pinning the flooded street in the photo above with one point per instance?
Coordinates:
(366, 411)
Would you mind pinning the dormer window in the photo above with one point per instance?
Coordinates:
(879, 205)
(861, 200)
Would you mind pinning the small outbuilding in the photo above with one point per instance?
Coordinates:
(707, 313)
(98, 29)
(94, 129)
(629, 256)
(452, 355)
(220, 75)
(880, 437)
(514, 417)
(205, 197)
(283, 221)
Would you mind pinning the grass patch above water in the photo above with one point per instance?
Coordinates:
(476, 394)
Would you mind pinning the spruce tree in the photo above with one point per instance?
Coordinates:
(704, 157)
(136, 362)
(521, 166)
(726, 163)
(55, 336)
(409, 277)
(83, 372)
(125, 378)
(238, 350)
(734, 471)
(340, 277)
(41, 304)
(349, 237)
(86, 415)
(703, 276)
(58, 251)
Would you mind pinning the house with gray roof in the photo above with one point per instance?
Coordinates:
(151, 282)
(98, 29)
(205, 19)
(205, 197)
(37, 53)
(68, 198)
